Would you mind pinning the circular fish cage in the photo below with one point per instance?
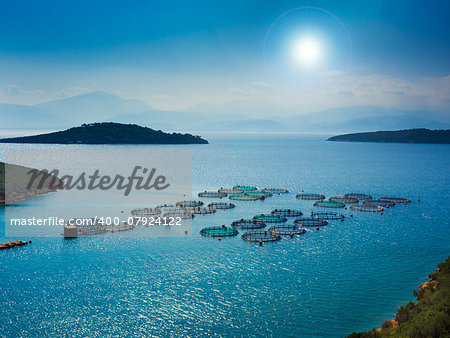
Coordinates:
(270, 218)
(287, 230)
(221, 205)
(181, 213)
(361, 197)
(261, 236)
(275, 191)
(189, 204)
(327, 215)
(245, 197)
(212, 194)
(245, 188)
(344, 199)
(310, 222)
(230, 191)
(287, 212)
(366, 207)
(89, 228)
(248, 224)
(383, 203)
(329, 204)
(219, 231)
(395, 199)
(202, 210)
(167, 208)
(304, 196)
(146, 212)
(119, 227)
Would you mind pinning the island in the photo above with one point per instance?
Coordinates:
(421, 135)
(428, 317)
(109, 133)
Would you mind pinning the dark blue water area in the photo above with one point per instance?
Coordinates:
(348, 276)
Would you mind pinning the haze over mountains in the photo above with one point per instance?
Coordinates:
(231, 116)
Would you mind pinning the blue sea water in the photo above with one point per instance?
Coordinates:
(348, 276)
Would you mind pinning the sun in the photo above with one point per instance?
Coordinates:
(308, 51)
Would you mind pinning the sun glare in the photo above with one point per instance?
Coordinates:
(308, 51)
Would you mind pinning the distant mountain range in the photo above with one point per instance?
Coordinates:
(231, 116)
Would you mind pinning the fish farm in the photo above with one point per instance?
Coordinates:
(361, 197)
(221, 205)
(181, 213)
(275, 191)
(287, 212)
(310, 222)
(261, 236)
(328, 215)
(248, 224)
(202, 210)
(212, 194)
(245, 187)
(315, 197)
(219, 231)
(343, 199)
(366, 207)
(329, 204)
(245, 197)
(230, 191)
(270, 218)
(396, 199)
(189, 204)
(287, 230)
(167, 207)
(146, 212)
(382, 203)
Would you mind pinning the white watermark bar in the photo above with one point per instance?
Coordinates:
(98, 191)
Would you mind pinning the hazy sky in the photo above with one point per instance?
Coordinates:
(176, 54)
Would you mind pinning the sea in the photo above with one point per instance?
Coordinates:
(347, 277)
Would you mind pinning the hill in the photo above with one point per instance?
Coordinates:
(429, 317)
(399, 136)
(109, 133)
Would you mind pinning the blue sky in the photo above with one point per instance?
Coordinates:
(176, 54)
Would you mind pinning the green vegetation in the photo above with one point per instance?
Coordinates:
(429, 317)
(109, 133)
(399, 136)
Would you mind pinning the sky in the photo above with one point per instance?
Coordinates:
(310, 55)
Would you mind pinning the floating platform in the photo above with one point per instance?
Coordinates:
(261, 236)
(329, 204)
(275, 191)
(366, 207)
(270, 218)
(212, 194)
(287, 212)
(287, 230)
(248, 224)
(315, 197)
(310, 222)
(221, 205)
(343, 199)
(361, 197)
(219, 231)
(328, 215)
